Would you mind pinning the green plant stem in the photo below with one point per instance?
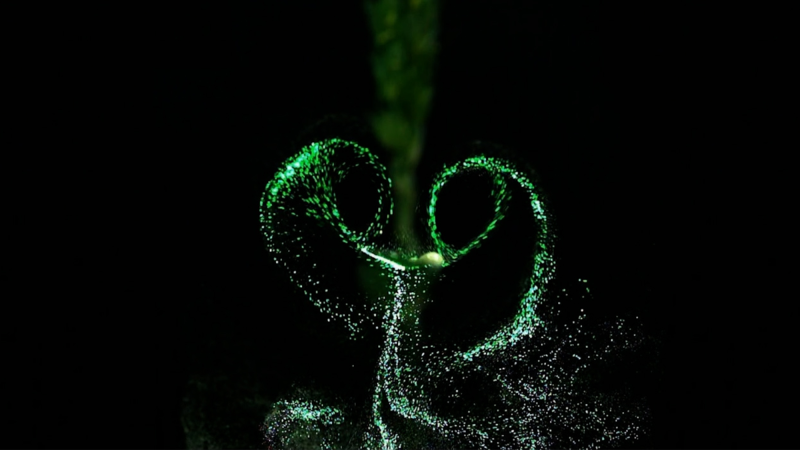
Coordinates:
(404, 39)
(403, 173)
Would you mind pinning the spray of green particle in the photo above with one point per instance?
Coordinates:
(533, 403)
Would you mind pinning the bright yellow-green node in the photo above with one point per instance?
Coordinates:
(431, 259)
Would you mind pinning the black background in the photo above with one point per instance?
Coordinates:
(645, 124)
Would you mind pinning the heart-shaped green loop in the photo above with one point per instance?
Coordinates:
(536, 389)
(304, 187)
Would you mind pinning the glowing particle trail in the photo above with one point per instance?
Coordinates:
(530, 372)
(388, 261)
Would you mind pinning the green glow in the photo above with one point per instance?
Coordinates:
(533, 368)
(289, 417)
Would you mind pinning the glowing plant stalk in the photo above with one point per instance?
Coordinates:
(404, 51)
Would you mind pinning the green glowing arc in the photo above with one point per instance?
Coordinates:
(315, 167)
